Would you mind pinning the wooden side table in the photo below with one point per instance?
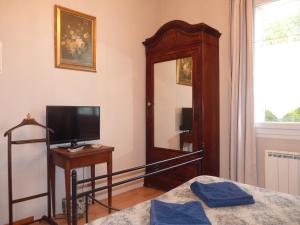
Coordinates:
(88, 156)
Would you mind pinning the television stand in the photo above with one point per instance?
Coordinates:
(76, 145)
(68, 161)
(73, 145)
(185, 137)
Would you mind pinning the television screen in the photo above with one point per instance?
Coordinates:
(73, 123)
(186, 119)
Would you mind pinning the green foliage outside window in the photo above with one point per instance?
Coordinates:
(283, 30)
(293, 116)
(269, 116)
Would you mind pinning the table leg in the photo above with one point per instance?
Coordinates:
(52, 180)
(93, 182)
(68, 194)
(181, 142)
(109, 181)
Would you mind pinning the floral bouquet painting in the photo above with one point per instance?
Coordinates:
(184, 70)
(75, 40)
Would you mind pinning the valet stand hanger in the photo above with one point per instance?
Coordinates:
(11, 201)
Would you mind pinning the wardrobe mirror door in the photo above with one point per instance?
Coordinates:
(173, 101)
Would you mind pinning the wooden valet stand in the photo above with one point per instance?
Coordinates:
(11, 201)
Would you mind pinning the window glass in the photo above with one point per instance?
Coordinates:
(277, 61)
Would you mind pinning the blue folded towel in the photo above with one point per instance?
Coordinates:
(192, 213)
(221, 194)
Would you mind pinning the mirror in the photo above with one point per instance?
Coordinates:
(173, 102)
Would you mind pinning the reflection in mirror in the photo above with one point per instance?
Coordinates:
(173, 104)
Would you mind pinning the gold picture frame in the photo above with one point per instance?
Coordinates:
(184, 69)
(75, 40)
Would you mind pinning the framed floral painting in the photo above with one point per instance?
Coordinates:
(75, 43)
(184, 70)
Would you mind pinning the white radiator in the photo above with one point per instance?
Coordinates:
(282, 171)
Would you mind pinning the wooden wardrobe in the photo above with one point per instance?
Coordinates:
(182, 74)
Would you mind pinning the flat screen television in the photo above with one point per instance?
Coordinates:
(72, 124)
(186, 119)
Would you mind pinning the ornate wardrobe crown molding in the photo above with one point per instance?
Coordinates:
(179, 25)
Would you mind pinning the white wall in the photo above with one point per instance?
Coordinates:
(29, 82)
(214, 13)
(169, 99)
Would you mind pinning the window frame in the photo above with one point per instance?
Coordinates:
(287, 130)
(278, 130)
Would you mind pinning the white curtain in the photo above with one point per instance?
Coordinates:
(242, 133)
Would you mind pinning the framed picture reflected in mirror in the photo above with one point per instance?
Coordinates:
(184, 68)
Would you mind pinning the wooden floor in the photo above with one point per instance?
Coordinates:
(120, 201)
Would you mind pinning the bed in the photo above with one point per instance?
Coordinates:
(271, 208)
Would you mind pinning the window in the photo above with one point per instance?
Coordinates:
(277, 62)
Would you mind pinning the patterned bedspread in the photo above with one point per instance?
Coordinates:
(270, 208)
